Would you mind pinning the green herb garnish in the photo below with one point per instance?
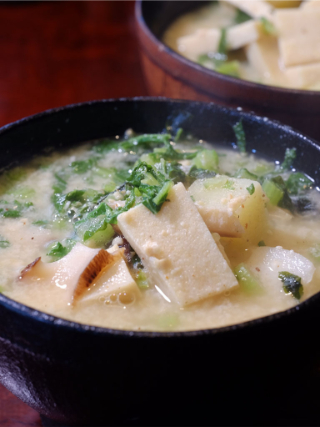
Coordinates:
(240, 136)
(251, 189)
(291, 284)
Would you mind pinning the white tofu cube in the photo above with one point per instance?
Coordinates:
(227, 207)
(177, 249)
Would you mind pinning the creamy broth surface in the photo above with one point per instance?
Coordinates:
(267, 42)
(29, 190)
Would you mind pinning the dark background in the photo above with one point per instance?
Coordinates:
(58, 53)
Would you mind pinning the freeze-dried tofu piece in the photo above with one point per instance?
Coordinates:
(296, 22)
(263, 56)
(304, 76)
(254, 8)
(201, 42)
(300, 49)
(310, 4)
(207, 40)
(177, 249)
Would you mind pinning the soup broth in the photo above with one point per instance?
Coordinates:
(69, 208)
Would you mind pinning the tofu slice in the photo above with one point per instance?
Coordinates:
(254, 8)
(306, 4)
(201, 42)
(226, 205)
(243, 34)
(296, 22)
(207, 40)
(304, 76)
(263, 56)
(300, 49)
(266, 263)
(113, 285)
(177, 249)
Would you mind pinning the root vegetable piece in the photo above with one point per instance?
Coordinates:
(266, 264)
(228, 208)
(177, 249)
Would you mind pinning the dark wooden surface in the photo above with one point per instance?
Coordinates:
(58, 53)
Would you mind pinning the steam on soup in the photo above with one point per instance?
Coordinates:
(270, 42)
(159, 232)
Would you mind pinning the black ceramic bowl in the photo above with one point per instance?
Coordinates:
(261, 372)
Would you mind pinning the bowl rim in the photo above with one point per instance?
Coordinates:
(42, 317)
(247, 84)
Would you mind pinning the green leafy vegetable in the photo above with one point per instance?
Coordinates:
(14, 210)
(4, 243)
(134, 143)
(240, 136)
(247, 282)
(289, 157)
(303, 204)
(222, 47)
(261, 243)
(241, 17)
(291, 284)
(298, 183)
(229, 68)
(82, 166)
(196, 173)
(206, 159)
(245, 174)
(57, 250)
(142, 280)
(251, 189)
(276, 191)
